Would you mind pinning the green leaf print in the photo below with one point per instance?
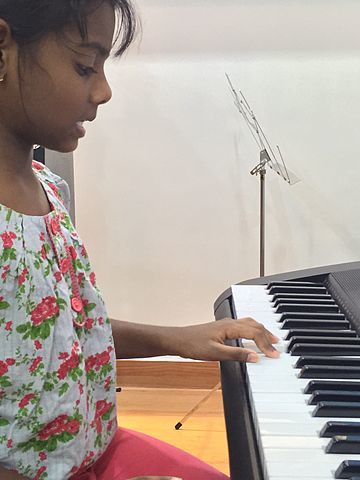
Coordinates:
(4, 422)
(22, 328)
(5, 382)
(89, 307)
(8, 215)
(48, 387)
(52, 444)
(44, 331)
(65, 437)
(4, 305)
(63, 389)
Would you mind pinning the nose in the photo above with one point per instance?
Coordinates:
(101, 92)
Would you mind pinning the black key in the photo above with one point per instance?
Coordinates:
(330, 429)
(323, 341)
(315, 324)
(284, 283)
(300, 301)
(304, 296)
(331, 385)
(344, 444)
(320, 350)
(302, 332)
(329, 361)
(333, 396)
(326, 371)
(312, 316)
(296, 289)
(348, 469)
(337, 409)
(306, 307)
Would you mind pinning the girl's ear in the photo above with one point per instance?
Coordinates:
(6, 41)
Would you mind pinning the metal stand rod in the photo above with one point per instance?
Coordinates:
(193, 410)
(262, 221)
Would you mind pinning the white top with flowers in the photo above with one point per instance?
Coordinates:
(57, 381)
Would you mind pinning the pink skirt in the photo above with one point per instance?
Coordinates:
(132, 454)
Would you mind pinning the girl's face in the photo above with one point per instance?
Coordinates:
(61, 84)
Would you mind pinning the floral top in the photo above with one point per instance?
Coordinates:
(57, 380)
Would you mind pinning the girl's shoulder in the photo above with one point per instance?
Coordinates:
(57, 184)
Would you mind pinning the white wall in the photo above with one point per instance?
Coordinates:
(165, 200)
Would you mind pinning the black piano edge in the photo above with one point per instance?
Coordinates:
(318, 274)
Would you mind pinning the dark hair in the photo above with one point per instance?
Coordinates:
(30, 20)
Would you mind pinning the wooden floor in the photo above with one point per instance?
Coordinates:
(155, 411)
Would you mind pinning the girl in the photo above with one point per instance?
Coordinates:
(58, 347)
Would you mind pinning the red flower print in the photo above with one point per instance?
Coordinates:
(5, 273)
(92, 278)
(55, 225)
(72, 427)
(22, 276)
(63, 355)
(109, 425)
(89, 323)
(65, 265)
(42, 237)
(35, 363)
(47, 308)
(58, 276)
(83, 251)
(101, 408)
(40, 472)
(10, 361)
(73, 252)
(42, 456)
(103, 358)
(43, 252)
(7, 238)
(81, 277)
(3, 368)
(90, 363)
(53, 428)
(38, 345)
(107, 383)
(37, 165)
(87, 460)
(8, 326)
(26, 399)
(9, 443)
(68, 365)
(101, 321)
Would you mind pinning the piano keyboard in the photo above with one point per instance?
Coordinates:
(306, 404)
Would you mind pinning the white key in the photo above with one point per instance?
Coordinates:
(289, 434)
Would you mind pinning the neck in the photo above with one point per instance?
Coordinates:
(15, 156)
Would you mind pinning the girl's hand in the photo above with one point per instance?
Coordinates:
(207, 341)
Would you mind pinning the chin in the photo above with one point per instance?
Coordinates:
(64, 147)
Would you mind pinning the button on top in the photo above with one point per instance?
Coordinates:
(76, 304)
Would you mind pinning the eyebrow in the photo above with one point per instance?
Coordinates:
(104, 52)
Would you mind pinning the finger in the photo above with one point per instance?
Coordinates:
(251, 322)
(226, 352)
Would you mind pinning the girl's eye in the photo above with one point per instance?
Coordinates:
(85, 71)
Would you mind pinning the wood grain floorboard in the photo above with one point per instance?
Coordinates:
(155, 411)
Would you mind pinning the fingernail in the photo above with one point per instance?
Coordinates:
(252, 358)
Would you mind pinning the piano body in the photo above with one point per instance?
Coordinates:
(297, 417)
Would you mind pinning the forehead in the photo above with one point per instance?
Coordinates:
(100, 28)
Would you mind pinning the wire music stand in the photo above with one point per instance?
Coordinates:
(267, 159)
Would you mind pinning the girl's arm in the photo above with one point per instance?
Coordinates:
(10, 475)
(200, 342)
